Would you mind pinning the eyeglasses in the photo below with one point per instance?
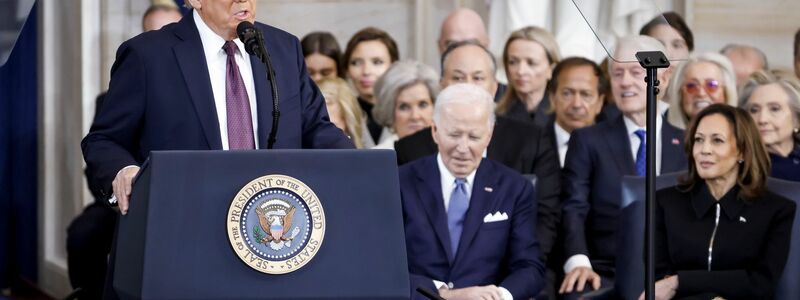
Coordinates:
(710, 86)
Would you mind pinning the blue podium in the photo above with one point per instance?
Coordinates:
(314, 224)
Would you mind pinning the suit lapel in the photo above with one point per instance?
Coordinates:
(550, 133)
(192, 62)
(620, 145)
(671, 149)
(433, 201)
(493, 150)
(263, 100)
(479, 204)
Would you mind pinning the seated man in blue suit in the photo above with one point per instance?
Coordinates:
(192, 86)
(597, 158)
(470, 222)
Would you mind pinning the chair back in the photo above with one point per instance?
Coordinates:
(629, 281)
(788, 287)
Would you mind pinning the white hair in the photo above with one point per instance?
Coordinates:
(400, 76)
(464, 93)
(675, 115)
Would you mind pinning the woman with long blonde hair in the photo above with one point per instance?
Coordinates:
(343, 108)
(529, 56)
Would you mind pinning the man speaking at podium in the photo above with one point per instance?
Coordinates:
(192, 86)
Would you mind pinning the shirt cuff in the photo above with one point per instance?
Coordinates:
(577, 260)
(126, 167)
(439, 284)
(505, 293)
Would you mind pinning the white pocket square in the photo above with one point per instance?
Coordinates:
(496, 217)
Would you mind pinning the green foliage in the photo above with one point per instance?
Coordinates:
(258, 234)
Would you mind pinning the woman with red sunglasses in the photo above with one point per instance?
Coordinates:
(702, 80)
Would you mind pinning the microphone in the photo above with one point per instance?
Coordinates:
(253, 42)
(248, 34)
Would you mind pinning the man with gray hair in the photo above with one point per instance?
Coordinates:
(597, 158)
(470, 62)
(746, 60)
(461, 195)
(519, 145)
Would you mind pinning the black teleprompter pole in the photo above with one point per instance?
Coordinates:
(651, 61)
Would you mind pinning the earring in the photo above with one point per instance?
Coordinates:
(741, 161)
(796, 130)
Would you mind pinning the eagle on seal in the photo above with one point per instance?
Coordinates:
(276, 223)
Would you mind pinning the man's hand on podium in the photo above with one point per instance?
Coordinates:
(122, 187)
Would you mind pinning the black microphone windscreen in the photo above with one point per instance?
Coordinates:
(247, 34)
(244, 28)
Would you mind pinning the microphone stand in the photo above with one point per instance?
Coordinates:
(263, 55)
(651, 61)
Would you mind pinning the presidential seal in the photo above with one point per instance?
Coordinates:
(276, 224)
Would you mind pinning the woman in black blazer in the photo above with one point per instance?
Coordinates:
(720, 232)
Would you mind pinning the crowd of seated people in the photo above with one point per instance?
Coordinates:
(577, 127)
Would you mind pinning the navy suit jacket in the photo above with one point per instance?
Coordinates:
(503, 253)
(597, 158)
(160, 98)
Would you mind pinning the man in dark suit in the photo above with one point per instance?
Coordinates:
(578, 91)
(462, 25)
(597, 158)
(517, 145)
(469, 222)
(192, 86)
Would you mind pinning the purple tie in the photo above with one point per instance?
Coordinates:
(240, 122)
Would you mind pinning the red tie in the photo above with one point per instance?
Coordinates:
(240, 122)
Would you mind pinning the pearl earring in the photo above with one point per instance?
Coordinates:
(741, 161)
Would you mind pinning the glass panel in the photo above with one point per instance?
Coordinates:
(12, 17)
(617, 21)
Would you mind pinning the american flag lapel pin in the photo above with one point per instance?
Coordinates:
(488, 189)
(675, 141)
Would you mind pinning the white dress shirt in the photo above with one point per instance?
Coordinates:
(635, 141)
(581, 260)
(448, 183)
(662, 107)
(387, 140)
(562, 142)
(216, 62)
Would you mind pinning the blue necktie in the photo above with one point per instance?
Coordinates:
(641, 154)
(457, 209)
